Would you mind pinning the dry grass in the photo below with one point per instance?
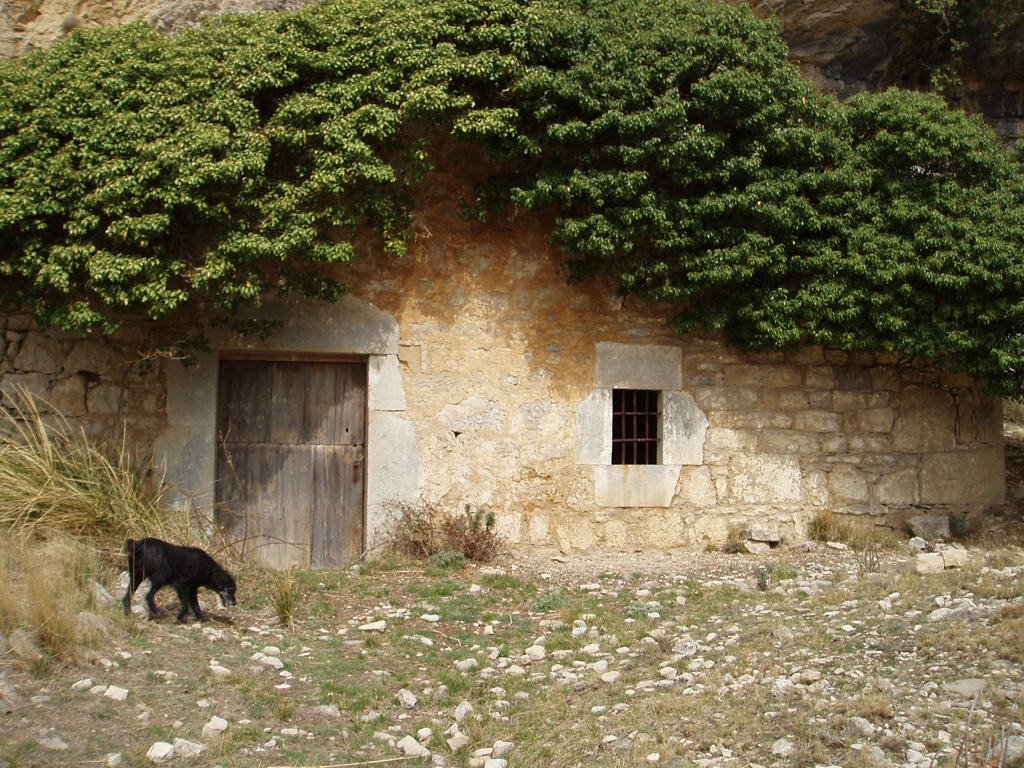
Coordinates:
(66, 500)
(828, 526)
(53, 478)
(42, 600)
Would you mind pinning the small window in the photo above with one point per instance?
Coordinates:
(636, 415)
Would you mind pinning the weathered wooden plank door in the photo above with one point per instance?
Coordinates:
(290, 460)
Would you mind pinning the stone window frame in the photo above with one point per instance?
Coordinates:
(683, 425)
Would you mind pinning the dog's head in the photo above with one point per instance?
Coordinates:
(225, 588)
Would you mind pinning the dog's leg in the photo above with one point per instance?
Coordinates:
(133, 584)
(187, 594)
(193, 601)
(154, 610)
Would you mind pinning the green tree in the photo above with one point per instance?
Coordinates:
(671, 141)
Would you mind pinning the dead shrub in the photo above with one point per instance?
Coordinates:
(422, 531)
(473, 534)
(415, 532)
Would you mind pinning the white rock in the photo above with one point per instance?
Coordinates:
(160, 752)
(271, 650)
(271, 661)
(374, 626)
(466, 665)
(502, 748)
(458, 741)
(83, 685)
(611, 677)
(412, 748)
(185, 748)
(462, 711)
(407, 698)
(219, 672)
(782, 747)
(215, 727)
(431, 617)
(929, 562)
(536, 652)
(116, 693)
(495, 762)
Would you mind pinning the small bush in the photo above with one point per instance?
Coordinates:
(423, 532)
(415, 532)
(734, 539)
(472, 534)
(828, 526)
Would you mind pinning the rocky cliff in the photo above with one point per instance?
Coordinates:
(845, 46)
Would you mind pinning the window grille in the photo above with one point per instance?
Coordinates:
(635, 426)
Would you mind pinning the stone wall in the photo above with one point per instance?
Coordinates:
(106, 387)
(490, 382)
(504, 368)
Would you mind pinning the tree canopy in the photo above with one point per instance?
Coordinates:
(672, 142)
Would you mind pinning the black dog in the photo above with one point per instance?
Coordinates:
(184, 568)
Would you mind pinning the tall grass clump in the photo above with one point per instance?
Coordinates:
(828, 526)
(54, 479)
(44, 601)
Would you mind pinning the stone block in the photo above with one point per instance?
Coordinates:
(929, 562)
(853, 378)
(925, 422)
(769, 535)
(92, 356)
(899, 488)
(636, 485)
(767, 480)
(788, 441)
(768, 376)
(36, 385)
(39, 354)
(67, 396)
(730, 440)
(683, 426)
(726, 399)
(848, 483)
(816, 421)
(954, 556)
(819, 378)
(869, 420)
(639, 366)
(964, 477)
(695, 488)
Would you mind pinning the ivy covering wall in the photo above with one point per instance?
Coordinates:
(670, 141)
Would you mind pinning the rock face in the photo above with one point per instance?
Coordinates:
(845, 46)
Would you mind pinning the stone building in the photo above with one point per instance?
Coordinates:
(471, 373)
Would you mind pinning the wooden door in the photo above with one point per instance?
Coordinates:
(292, 442)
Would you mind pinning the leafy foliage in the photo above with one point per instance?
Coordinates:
(674, 145)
